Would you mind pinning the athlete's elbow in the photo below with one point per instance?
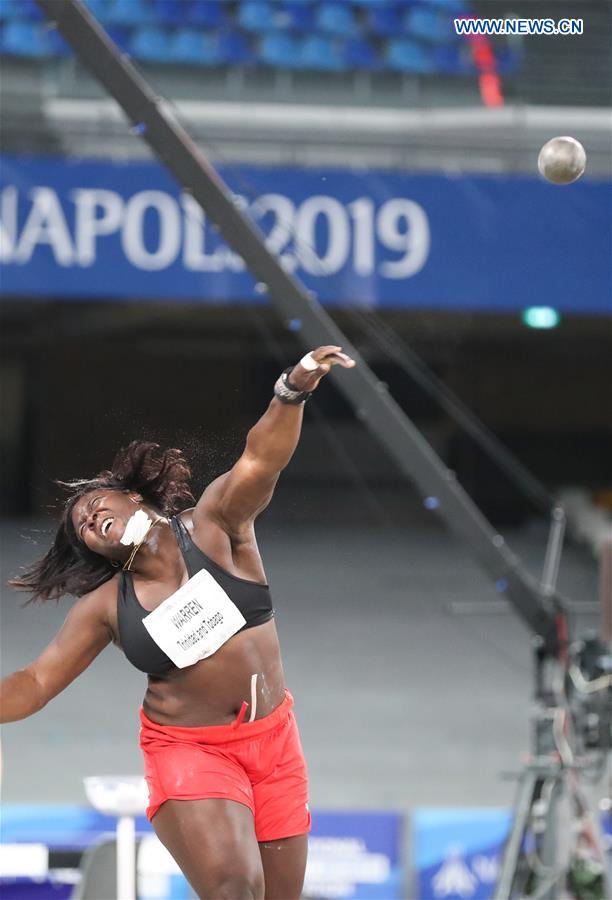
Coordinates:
(21, 695)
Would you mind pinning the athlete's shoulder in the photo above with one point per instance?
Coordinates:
(186, 516)
(101, 601)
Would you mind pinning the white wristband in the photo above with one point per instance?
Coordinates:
(309, 363)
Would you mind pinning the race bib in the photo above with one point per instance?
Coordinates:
(194, 621)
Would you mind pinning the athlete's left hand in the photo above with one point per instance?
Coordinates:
(304, 379)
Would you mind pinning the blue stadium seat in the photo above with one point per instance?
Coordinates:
(130, 12)
(9, 9)
(336, 18)
(101, 9)
(279, 49)
(23, 38)
(234, 49)
(430, 24)
(404, 55)
(150, 44)
(120, 36)
(509, 59)
(360, 54)
(189, 45)
(208, 13)
(255, 15)
(321, 53)
(452, 7)
(57, 44)
(30, 10)
(298, 15)
(384, 19)
(454, 59)
(171, 12)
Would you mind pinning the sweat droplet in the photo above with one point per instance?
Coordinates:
(140, 128)
(261, 288)
(431, 503)
(294, 324)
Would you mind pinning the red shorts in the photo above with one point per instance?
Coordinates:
(260, 764)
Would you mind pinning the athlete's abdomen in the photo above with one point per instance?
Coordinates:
(212, 691)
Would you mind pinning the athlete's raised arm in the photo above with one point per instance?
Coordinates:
(234, 499)
(84, 634)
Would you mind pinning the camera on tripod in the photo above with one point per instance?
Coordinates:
(589, 690)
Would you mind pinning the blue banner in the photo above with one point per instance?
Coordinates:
(104, 229)
(456, 852)
(351, 855)
(355, 855)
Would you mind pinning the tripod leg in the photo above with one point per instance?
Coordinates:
(556, 842)
(528, 784)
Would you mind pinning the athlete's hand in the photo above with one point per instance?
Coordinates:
(306, 379)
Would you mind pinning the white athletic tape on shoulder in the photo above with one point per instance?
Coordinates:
(253, 697)
(309, 363)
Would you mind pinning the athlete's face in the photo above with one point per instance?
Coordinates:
(99, 519)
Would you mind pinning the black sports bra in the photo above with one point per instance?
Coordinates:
(252, 599)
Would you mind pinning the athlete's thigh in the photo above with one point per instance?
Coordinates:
(284, 865)
(213, 841)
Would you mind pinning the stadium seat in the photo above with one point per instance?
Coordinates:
(194, 47)
(454, 59)
(207, 13)
(150, 44)
(452, 7)
(404, 55)
(298, 15)
(429, 24)
(120, 36)
(234, 49)
(57, 45)
(23, 38)
(171, 12)
(9, 9)
(509, 59)
(384, 19)
(360, 54)
(336, 18)
(28, 9)
(321, 53)
(279, 49)
(130, 12)
(255, 15)
(101, 9)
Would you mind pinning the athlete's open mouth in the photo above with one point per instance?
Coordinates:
(106, 525)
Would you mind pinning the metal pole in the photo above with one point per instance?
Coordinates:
(605, 590)
(553, 552)
(126, 858)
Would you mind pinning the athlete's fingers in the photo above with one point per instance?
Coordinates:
(320, 352)
(340, 359)
(307, 374)
(332, 355)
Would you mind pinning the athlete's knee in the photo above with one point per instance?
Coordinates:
(238, 887)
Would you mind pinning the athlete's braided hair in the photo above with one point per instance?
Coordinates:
(161, 477)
